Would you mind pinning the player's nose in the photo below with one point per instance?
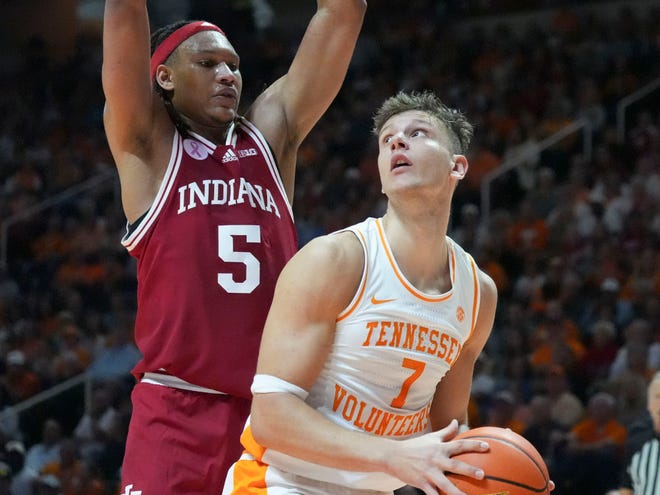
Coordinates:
(398, 141)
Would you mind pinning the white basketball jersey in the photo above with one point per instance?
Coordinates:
(392, 346)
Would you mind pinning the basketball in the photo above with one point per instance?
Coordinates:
(512, 465)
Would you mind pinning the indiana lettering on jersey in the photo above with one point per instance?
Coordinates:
(412, 337)
(378, 421)
(217, 192)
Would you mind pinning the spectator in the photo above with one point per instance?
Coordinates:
(20, 381)
(37, 456)
(503, 412)
(566, 408)
(594, 452)
(119, 354)
(556, 341)
(541, 430)
(637, 335)
(95, 427)
(601, 349)
(73, 473)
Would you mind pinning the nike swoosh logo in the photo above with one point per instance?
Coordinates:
(380, 301)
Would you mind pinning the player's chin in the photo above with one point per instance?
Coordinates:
(223, 115)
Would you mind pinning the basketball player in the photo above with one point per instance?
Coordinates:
(207, 194)
(367, 356)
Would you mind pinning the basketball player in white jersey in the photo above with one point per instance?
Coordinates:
(366, 360)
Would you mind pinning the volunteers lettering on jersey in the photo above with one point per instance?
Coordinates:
(374, 420)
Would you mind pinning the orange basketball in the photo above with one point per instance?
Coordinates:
(512, 465)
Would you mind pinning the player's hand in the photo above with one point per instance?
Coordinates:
(423, 461)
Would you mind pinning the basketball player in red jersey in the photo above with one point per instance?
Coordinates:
(207, 195)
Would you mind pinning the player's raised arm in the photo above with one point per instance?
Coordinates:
(133, 115)
(126, 82)
(288, 109)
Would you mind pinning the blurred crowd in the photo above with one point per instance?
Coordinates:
(572, 238)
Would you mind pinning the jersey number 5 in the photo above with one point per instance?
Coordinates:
(226, 252)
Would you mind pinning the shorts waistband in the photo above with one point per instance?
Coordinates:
(164, 379)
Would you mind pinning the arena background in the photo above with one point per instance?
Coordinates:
(560, 207)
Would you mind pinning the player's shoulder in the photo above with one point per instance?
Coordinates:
(343, 248)
(330, 266)
(486, 283)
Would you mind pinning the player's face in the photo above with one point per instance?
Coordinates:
(414, 152)
(206, 79)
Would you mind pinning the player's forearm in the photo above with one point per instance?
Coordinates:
(348, 9)
(285, 423)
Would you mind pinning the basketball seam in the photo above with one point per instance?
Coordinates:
(516, 483)
(503, 440)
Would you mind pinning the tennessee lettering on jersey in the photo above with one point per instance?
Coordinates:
(405, 335)
(218, 192)
(377, 421)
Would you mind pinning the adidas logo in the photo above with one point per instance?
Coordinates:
(129, 491)
(229, 156)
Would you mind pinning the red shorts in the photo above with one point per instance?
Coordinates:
(181, 442)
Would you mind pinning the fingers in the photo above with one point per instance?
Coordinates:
(449, 431)
(461, 446)
(455, 465)
(426, 459)
(438, 484)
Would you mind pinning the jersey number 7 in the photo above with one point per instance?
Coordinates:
(418, 368)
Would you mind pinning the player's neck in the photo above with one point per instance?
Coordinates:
(215, 134)
(421, 252)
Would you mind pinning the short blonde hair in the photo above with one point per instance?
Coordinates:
(459, 129)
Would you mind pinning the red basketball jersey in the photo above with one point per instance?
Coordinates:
(209, 252)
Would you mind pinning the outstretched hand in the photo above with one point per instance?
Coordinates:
(423, 461)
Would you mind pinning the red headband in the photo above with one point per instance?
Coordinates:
(170, 43)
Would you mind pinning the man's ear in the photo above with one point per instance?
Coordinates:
(459, 167)
(164, 77)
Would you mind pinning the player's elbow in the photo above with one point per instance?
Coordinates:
(265, 420)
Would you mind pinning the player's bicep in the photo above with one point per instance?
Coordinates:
(314, 287)
(319, 67)
(452, 394)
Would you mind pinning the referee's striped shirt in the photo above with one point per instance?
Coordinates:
(643, 461)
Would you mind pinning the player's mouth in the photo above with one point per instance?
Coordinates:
(399, 160)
